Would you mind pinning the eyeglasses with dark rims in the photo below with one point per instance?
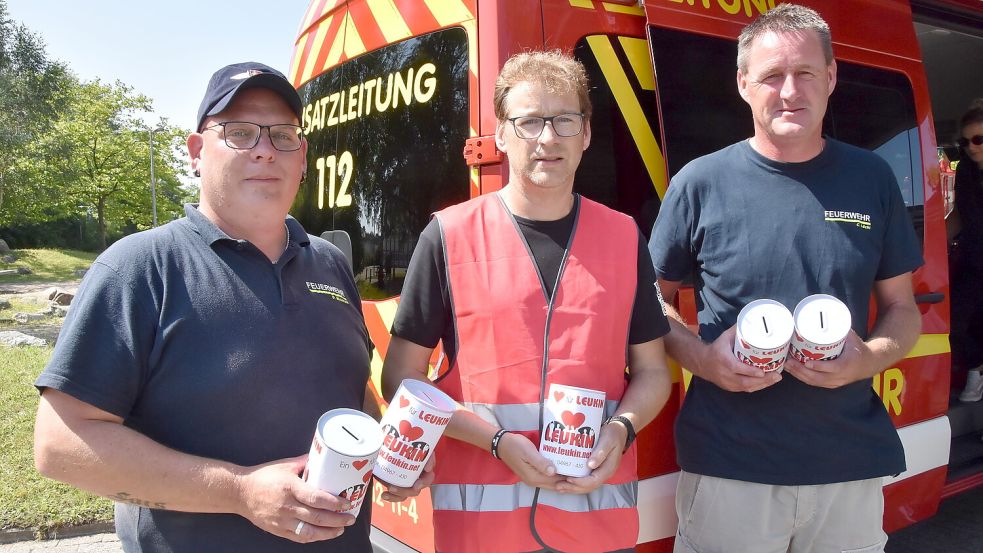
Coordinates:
(977, 140)
(564, 124)
(243, 135)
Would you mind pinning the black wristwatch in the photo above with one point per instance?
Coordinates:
(628, 426)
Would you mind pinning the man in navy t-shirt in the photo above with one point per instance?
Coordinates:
(191, 371)
(786, 462)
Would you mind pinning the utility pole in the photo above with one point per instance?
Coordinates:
(153, 179)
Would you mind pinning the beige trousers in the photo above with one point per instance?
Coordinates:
(717, 515)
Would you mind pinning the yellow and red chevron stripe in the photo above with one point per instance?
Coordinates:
(636, 50)
(334, 31)
(379, 317)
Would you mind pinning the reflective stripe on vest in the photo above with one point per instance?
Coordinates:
(512, 344)
(481, 498)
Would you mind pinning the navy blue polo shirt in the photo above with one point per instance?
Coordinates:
(201, 343)
(747, 227)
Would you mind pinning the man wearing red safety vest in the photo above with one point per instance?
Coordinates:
(529, 287)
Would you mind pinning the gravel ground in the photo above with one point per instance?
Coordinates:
(33, 287)
(48, 331)
(96, 543)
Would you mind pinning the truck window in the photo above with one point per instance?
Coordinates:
(386, 131)
(613, 171)
(875, 109)
(702, 111)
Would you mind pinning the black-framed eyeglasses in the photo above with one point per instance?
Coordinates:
(243, 135)
(564, 124)
(977, 140)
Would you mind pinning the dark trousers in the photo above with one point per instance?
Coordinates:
(966, 336)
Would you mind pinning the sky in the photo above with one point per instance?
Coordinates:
(166, 50)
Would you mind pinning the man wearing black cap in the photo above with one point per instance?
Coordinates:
(198, 356)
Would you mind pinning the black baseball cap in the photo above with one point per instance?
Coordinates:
(231, 79)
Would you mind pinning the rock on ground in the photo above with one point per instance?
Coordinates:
(59, 296)
(15, 338)
(24, 318)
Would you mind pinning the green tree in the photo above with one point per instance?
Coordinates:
(98, 152)
(71, 150)
(31, 88)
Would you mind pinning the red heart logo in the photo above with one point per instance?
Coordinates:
(403, 402)
(367, 476)
(760, 360)
(810, 355)
(409, 431)
(573, 419)
(359, 464)
(558, 396)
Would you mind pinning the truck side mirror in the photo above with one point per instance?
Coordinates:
(343, 242)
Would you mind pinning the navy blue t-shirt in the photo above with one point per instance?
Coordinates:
(199, 342)
(747, 227)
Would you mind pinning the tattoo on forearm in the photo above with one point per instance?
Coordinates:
(124, 497)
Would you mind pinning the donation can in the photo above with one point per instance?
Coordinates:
(411, 427)
(822, 323)
(346, 444)
(764, 331)
(572, 419)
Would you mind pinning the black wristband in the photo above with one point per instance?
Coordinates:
(628, 426)
(498, 438)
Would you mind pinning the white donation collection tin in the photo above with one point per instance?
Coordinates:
(822, 323)
(414, 422)
(346, 444)
(764, 330)
(571, 422)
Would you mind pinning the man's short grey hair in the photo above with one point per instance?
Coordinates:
(784, 18)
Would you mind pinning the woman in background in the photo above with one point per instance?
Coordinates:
(965, 224)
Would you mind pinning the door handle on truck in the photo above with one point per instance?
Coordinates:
(931, 297)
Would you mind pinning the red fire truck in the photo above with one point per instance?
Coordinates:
(395, 90)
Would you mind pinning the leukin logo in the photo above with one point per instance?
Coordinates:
(354, 493)
(401, 441)
(559, 433)
(316, 446)
(766, 363)
(802, 355)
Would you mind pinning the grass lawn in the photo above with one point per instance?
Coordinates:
(27, 500)
(47, 265)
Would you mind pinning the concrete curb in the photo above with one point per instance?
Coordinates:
(13, 536)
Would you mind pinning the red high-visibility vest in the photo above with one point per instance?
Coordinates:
(512, 344)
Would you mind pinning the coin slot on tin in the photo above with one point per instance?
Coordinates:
(349, 432)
